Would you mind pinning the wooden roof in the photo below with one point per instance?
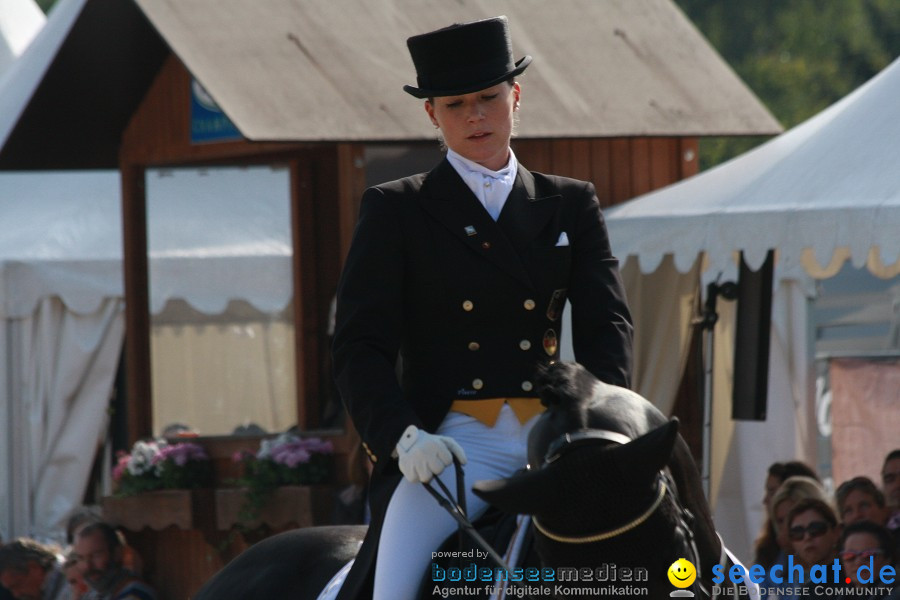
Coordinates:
(333, 70)
(305, 70)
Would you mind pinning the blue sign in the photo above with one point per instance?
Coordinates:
(208, 122)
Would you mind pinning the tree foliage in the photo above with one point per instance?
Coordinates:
(45, 5)
(798, 56)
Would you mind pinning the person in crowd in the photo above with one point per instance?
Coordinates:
(77, 586)
(864, 543)
(890, 485)
(766, 548)
(99, 552)
(5, 594)
(859, 499)
(814, 533)
(793, 490)
(463, 272)
(30, 570)
(84, 515)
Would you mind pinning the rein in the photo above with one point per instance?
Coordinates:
(457, 510)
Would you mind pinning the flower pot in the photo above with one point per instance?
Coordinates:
(288, 506)
(184, 509)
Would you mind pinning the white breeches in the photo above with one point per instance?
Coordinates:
(415, 525)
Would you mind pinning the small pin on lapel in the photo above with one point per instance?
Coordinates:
(470, 231)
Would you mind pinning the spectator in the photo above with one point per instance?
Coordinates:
(766, 547)
(865, 543)
(32, 571)
(89, 514)
(77, 586)
(859, 499)
(890, 483)
(78, 518)
(813, 531)
(5, 594)
(794, 489)
(99, 551)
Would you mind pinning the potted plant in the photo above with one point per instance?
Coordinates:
(156, 485)
(279, 483)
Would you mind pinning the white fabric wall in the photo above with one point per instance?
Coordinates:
(55, 417)
(743, 450)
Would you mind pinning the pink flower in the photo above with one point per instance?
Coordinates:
(121, 465)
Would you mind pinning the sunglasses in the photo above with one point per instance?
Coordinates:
(814, 529)
(850, 555)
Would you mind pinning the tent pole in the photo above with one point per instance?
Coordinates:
(707, 406)
(707, 321)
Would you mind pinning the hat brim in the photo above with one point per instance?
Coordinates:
(521, 65)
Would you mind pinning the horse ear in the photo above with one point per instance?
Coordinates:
(646, 455)
(526, 492)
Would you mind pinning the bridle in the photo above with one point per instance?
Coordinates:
(558, 448)
(571, 440)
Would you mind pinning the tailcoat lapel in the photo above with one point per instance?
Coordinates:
(446, 197)
(526, 213)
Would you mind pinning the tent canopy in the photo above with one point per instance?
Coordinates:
(823, 192)
(214, 236)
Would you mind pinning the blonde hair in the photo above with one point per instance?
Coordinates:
(797, 489)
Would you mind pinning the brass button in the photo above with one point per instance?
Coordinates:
(467, 305)
(473, 346)
(477, 384)
(529, 304)
(527, 386)
(486, 245)
(525, 345)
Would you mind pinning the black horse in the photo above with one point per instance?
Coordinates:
(613, 489)
(613, 484)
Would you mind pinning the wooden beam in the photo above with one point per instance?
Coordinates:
(139, 416)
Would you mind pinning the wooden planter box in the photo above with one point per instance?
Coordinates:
(289, 506)
(184, 509)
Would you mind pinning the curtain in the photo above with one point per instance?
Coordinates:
(58, 376)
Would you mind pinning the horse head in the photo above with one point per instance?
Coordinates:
(610, 480)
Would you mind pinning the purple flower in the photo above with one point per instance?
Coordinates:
(181, 453)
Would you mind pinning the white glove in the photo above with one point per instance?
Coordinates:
(423, 455)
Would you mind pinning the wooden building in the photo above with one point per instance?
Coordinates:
(618, 93)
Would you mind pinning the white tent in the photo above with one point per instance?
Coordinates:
(824, 192)
(214, 237)
(20, 20)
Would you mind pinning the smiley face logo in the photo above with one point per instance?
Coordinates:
(682, 573)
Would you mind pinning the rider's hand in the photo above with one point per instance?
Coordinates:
(423, 455)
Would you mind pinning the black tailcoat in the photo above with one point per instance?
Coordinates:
(470, 305)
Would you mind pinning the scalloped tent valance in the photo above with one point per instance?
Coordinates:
(821, 193)
(214, 237)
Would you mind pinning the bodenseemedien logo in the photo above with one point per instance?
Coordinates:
(682, 574)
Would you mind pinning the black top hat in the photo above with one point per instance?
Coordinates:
(463, 58)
